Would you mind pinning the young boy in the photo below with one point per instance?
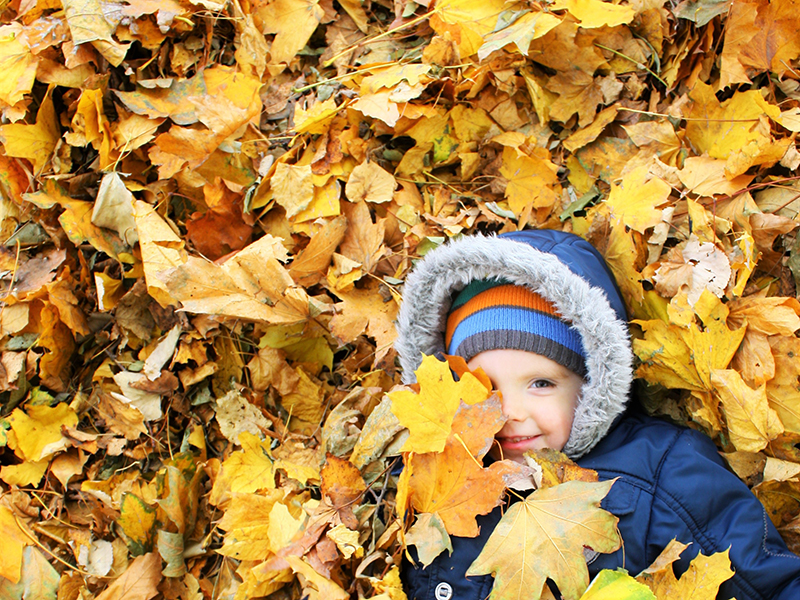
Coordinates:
(540, 312)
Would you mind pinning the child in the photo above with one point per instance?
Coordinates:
(540, 312)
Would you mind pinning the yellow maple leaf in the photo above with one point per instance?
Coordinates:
(678, 357)
(140, 579)
(283, 526)
(293, 21)
(35, 142)
(578, 92)
(722, 130)
(316, 118)
(544, 537)
(161, 250)
(307, 401)
(753, 359)
(529, 26)
(770, 316)
(617, 585)
(365, 311)
(429, 535)
(364, 240)
(26, 473)
(452, 483)
(705, 176)
(701, 580)
(388, 77)
(532, 180)
(325, 203)
(18, 65)
(633, 202)
(596, 13)
(245, 471)
(316, 586)
(247, 522)
(590, 133)
(657, 135)
(468, 20)
(429, 414)
(760, 38)
(379, 105)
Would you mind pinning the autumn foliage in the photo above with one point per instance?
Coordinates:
(208, 209)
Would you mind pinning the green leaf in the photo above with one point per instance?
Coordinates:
(617, 585)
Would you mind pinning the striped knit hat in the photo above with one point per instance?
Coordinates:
(495, 314)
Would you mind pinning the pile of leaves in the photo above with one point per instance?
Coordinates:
(207, 211)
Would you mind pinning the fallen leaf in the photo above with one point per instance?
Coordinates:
(365, 311)
(564, 518)
(19, 65)
(363, 241)
(532, 180)
(752, 424)
(308, 266)
(693, 269)
(16, 541)
(246, 522)
(138, 582)
(369, 183)
(88, 23)
(245, 471)
(595, 13)
(616, 585)
(701, 580)
(453, 483)
(35, 142)
(293, 21)
(430, 537)
(635, 200)
(429, 414)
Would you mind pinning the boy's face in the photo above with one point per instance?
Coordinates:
(538, 395)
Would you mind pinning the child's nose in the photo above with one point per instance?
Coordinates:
(512, 407)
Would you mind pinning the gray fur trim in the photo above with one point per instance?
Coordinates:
(426, 302)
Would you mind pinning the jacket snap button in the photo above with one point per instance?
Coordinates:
(443, 591)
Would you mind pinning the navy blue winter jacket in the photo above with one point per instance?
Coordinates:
(671, 482)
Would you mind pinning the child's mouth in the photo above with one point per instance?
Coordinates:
(518, 442)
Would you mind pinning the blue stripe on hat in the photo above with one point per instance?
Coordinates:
(517, 319)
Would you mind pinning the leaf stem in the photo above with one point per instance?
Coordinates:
(688, 119)
(634, 61)
(386, 33)
(41, 546)
(369, 69)
(475, 460)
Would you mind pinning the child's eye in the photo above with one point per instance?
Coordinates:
(541, 383)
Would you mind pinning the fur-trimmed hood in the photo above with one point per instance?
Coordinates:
(561, 267)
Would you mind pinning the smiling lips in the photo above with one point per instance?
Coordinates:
(517, 442)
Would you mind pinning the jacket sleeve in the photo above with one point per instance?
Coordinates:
(718, 512)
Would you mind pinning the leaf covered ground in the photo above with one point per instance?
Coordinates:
(208, 209)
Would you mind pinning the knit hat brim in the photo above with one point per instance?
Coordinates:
(492, 315)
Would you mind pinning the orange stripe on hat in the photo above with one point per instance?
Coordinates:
(501, 295)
